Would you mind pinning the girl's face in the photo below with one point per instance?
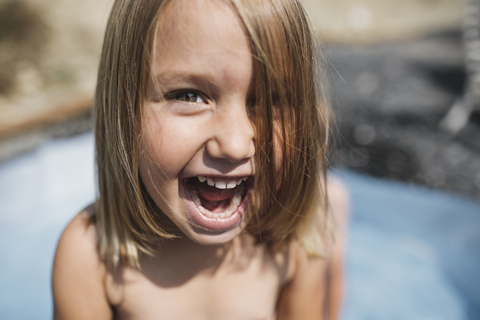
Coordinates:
(198, 142)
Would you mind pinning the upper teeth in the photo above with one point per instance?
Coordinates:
(222, 183)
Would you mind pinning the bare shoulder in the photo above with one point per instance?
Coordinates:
(78, 272)
(338, 207)
(339, 200)
(303, 295)
(315, 285)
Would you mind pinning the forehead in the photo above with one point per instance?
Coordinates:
(199, 36)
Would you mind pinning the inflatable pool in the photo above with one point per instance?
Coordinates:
(412, 253)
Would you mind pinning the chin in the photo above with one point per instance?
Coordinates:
(206, 239)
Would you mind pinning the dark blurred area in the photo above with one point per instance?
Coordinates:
(389, 100)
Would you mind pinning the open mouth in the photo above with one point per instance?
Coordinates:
(218, 198)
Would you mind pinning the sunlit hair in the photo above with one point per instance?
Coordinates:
(290, 206)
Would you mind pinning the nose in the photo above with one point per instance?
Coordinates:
(233, 136)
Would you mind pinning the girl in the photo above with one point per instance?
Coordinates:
(209, 141)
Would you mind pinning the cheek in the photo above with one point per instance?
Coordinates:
(163, 155)
(157, 173)
(152, 144)
(155, 162)
(164, 143)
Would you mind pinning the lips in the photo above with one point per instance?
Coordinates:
(218, 203)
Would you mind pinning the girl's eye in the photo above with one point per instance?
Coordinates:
(251, 108)
(189, 97)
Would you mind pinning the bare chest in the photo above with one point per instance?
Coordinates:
(244, 292)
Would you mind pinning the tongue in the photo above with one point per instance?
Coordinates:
(205, 192)
(213, 199)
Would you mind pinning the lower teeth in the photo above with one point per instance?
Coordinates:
(234, 203)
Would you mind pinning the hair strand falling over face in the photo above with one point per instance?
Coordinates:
(291, 124)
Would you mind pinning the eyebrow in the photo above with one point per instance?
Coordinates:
(170, 78)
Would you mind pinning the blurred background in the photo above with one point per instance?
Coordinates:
(395, 70)
(402, 81)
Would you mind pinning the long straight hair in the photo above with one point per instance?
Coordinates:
(289, 108)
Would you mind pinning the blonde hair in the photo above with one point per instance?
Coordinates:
(291, 206)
